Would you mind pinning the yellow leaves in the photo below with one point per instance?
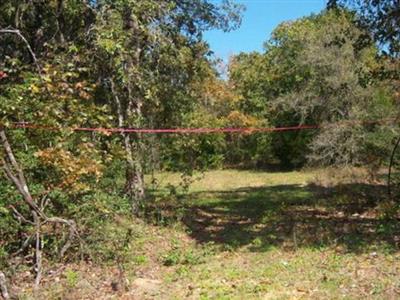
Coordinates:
(79, 85)
(237, 118)
(74, 168)
(65, 83)
(84, 95)
(105, 132)
(47, 78)
(215, 91)
(34, 89)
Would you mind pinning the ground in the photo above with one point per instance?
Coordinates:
(246, 235)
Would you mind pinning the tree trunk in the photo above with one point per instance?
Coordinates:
(3, 287)
(134, 184)
(14, 172)
(134, 187)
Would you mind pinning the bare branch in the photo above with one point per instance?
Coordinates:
(44, 201)
(38, 251)
(19, 178)
(8, 150)
(28, 46)
(24, 245)
(73, 232)
(3, 286)
(20, 217)
(20, 187)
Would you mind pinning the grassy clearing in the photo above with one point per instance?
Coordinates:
(228, 180)
(247, 235)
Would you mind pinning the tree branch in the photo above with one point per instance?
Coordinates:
(38, 251)
(19, 178)
(73, 232)
(20, 217)
(24, 245)
(28, 46)
(3, 286)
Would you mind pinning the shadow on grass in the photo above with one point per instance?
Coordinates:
(292, 216)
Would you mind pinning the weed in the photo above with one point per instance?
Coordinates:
(179, 256)
(72, 278)
(171, 258)
(140, 259)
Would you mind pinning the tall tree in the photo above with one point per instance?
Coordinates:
(149, 52)
(320, 69)
(382, 17)
(332, 81)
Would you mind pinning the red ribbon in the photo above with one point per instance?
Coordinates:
(247, 130)
(167, 130)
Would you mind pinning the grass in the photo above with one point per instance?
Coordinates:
(226, 180)
(250, 235)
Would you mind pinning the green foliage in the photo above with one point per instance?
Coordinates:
(179, 255)
(10, 228)
(72, 278)
(194, 152)
(320, 70)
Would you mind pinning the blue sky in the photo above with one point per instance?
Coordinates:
(259, 20)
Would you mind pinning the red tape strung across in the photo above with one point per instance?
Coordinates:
(194, 130)
(167, 130)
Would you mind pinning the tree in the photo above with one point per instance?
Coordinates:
(149, 52)
(320, 70)
(139, 58)
(332, 82)
(39, 165)
(249, 78)
(382, 17)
